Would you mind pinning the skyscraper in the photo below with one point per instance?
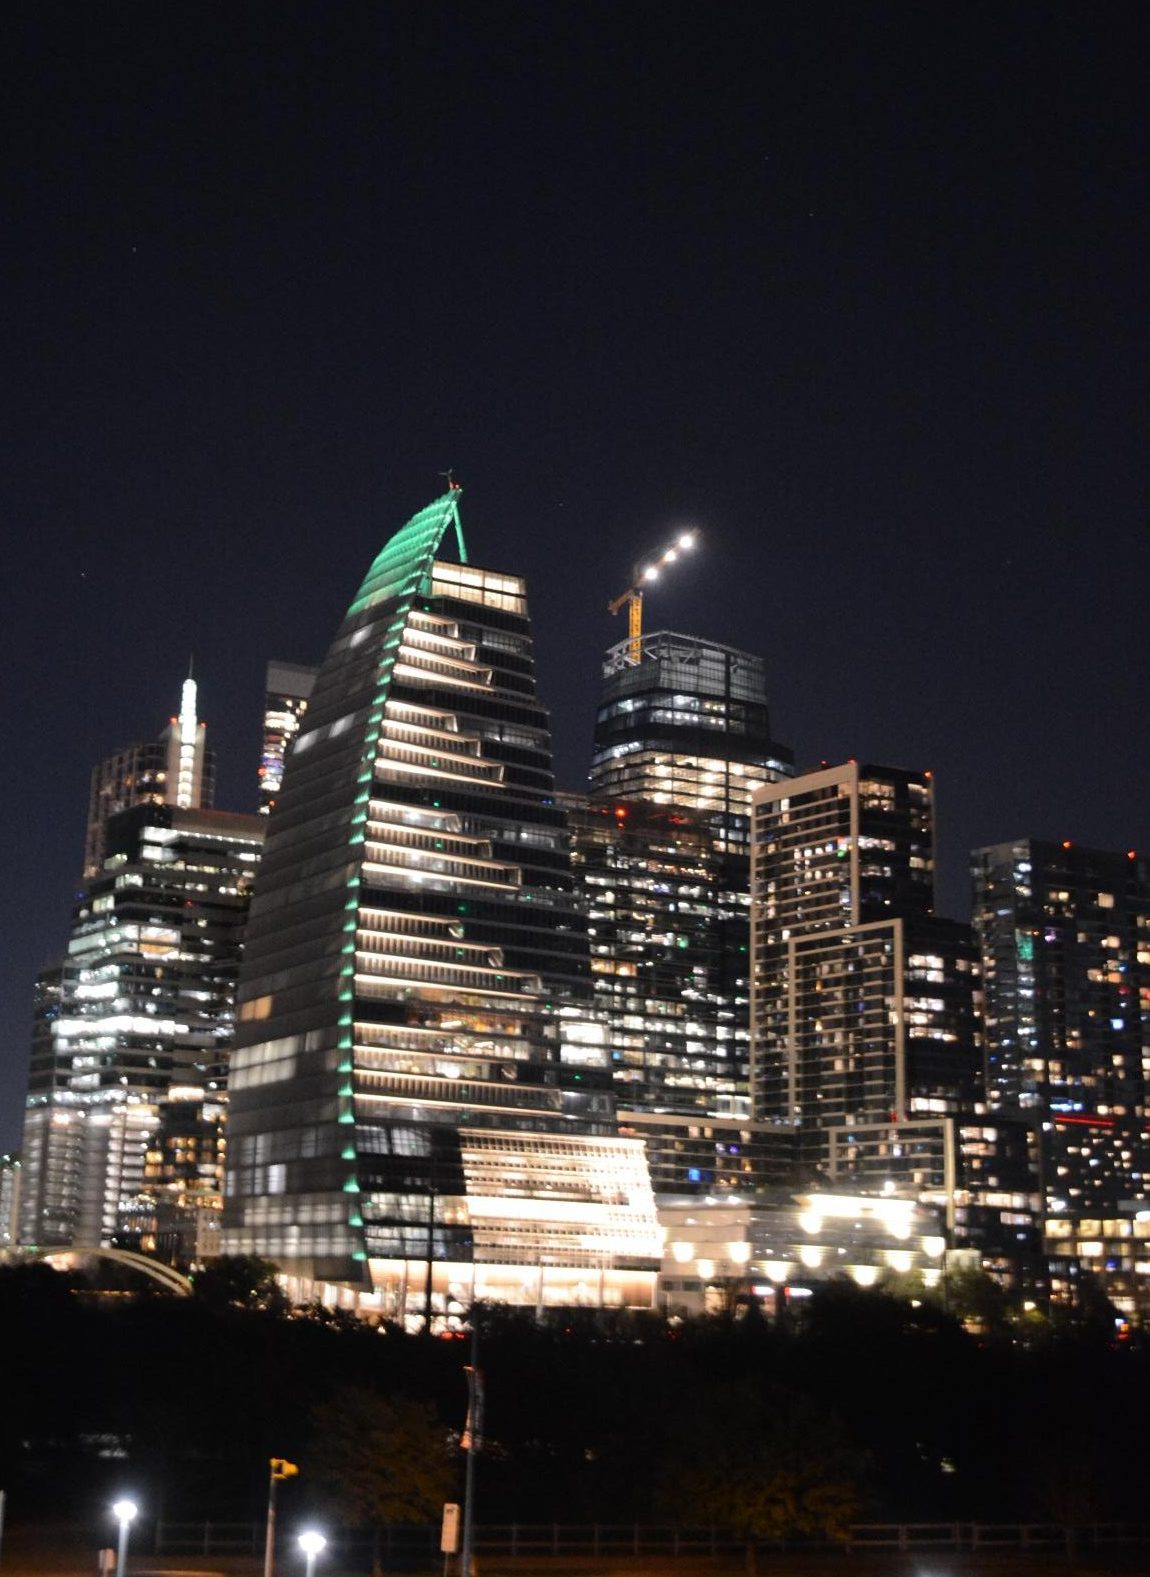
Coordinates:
(289, 686)
(682, 737)
(1065, 939)
(142, 1002)
(175, 769)
(866, 1011)
(670, 979)
(863, 1007)
(688, 724)
(421, 1103)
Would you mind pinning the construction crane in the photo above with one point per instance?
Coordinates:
(642, 575)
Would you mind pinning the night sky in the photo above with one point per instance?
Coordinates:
(858, 289)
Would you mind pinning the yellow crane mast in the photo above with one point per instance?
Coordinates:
(642, 575)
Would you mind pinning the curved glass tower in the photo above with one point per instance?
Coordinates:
(421, 1104)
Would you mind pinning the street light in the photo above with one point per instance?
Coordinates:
(311, 1543)
(124, 1511)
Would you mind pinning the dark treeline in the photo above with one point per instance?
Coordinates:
(869, 1407)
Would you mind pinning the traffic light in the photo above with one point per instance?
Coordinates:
(281, 1468)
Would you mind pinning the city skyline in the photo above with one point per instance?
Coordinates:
(859, 297)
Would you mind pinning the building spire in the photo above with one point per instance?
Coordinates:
(187, 730)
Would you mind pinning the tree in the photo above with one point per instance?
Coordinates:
(979, 1301)
(376, 1461)
(766, 1465)
(240, 1281)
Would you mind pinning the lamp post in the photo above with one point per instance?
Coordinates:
(311, 1543)
(124, 1512)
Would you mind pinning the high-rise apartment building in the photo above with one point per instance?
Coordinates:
(864, 1009)
(421, 1106)
(175, 769)
(143, 1001)
(1065, 939)
(288, 689)
(844, 932)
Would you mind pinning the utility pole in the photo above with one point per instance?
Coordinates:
(279, 1469)
(472, 1438)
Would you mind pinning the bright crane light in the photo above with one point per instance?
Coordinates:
(643, 574)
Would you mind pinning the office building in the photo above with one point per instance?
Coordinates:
(1065, 939)
(682, 738)
(288, 688)
(175, 769)
(689, 725)
(421, 1106)
(669, 952)
(142, 1001)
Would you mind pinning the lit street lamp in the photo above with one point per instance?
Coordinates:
(311, 1543)
(123, 1511)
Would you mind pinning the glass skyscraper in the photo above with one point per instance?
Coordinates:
(1065, 938)
(421, 1101)
(141, 1006)
(288, 687)
(682, 738)
(688, 724)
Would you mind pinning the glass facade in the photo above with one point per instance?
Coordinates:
(143, 1001)
(659, 932)
(1065, 939)
(288, 687)
(421, 1098)
(682, 737)
(689, 725)
(669, 969)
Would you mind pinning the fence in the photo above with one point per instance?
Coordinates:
(416, 1547)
